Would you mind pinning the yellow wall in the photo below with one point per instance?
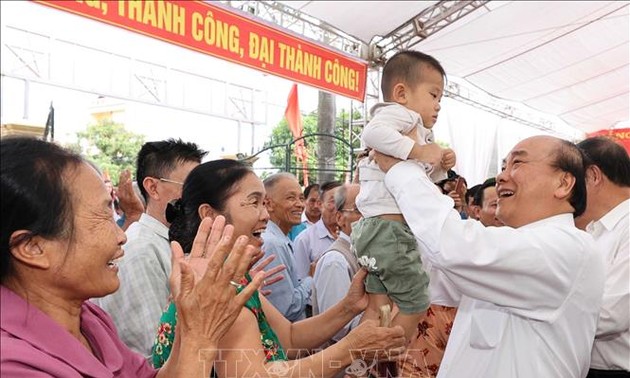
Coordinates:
(21, 129)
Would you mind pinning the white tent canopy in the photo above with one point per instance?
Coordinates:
(566, 59)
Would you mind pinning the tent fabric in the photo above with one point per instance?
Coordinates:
(569, 59)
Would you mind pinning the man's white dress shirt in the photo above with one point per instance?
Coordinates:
(309, 245)
(611, 350)
(530, 296)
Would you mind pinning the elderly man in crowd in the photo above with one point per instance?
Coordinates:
(136, 307)
(530, 292)
(337, 265)
(285, 203)
(311, 243)
(607, 219)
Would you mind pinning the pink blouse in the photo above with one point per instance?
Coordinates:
(34, 345)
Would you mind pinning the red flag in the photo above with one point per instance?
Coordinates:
(294, 119)
(292, 113)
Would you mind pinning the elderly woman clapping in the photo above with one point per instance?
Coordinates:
(59, 247)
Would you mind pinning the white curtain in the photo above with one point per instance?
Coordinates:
(471, 133)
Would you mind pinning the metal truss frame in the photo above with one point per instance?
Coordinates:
(291, 19)
(422, 26)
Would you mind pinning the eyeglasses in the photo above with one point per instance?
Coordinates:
(171, 181)
(352, 210)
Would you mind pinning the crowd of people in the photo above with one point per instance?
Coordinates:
(209, 270)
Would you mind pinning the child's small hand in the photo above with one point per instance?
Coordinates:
(430, 153)
(448, 159)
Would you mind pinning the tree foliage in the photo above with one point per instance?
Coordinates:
(281, 136)
(110, 146)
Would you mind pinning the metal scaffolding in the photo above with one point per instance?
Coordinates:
(422, 26)
(300, 23)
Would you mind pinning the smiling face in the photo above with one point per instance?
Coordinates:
(530, 187)
(285, 202)
(424, 98)
(246, 211)
(84, 263)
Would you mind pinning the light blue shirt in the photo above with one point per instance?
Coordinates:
(309, 245)
(296, 230)
(290, 295)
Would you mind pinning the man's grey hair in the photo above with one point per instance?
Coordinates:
(272, 180)
(340, 197)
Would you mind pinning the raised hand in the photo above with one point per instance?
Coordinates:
(208, 304)
(271, 276)
(209, 234)
(128, 200)
(457, 199)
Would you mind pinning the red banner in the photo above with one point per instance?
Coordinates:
(212, 29)
(621, 136)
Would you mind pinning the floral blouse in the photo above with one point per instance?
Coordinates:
(166, 331)
(425, 352)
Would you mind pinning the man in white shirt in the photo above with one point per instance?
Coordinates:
(162, 168)
(531, 291)
(313, 241)
(338, 265)
(607, 219)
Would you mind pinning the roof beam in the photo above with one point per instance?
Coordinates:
(426, 23)
(301, 24)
